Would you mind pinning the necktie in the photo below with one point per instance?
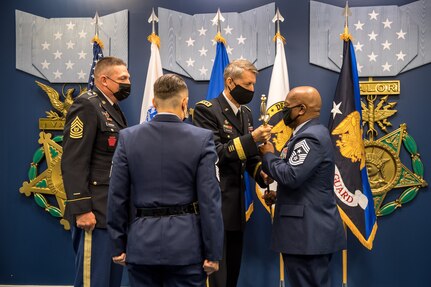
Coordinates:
(239, 117)
(117, 109)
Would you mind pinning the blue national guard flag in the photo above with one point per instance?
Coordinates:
(97, 55)
(351, 185)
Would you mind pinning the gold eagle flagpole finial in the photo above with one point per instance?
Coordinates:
(153, 38)
(277, 18)
(346, 13)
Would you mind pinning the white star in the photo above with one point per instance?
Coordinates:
(57, 54)
(203, 51)
(45, 46)
(82, 34)
(386, 45)
(190, 42)
(82, 54)
(372, 57)
(81, 74)
(242, 58)
(70, 26)
(387, 23)
(45, 65)
(373, 36)
(400, 56)
(386, 67)
(228, 30)
(241, 40)
(214, 21)
(336, 109)
(358, 46)
(229, 50)
(214, 42)
(190, 62)
(69, 65)
(70, 44)
(202, 31)
(401, 34)
(359, 66)
(203, 70)
(58, 35)
(359, 25)
(57, 74)
(373, 15)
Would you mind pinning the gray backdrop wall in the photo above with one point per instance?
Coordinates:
(34, 249)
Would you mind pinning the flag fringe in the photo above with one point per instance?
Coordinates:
(368, 243)
(219, 38)
(249, 211)
(97, 40)
(279, 36)
(346, 36)
(154, 39)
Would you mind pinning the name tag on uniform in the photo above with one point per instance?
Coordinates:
(227, 129)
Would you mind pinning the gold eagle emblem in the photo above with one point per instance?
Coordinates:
(350, 142)
(54, 98)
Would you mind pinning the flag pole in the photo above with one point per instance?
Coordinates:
(346, 37)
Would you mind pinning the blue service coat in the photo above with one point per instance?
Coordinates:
(163, 163)
(306, 218)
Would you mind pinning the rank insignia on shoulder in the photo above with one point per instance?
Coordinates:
(205, 103)
(76, 128)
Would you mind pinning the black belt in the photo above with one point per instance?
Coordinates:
(192, 208)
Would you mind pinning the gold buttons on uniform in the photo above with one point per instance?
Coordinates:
(94, 182)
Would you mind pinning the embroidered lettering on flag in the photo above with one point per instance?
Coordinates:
(299, 154)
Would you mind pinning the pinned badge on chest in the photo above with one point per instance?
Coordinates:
(283, 153)
(112, 141)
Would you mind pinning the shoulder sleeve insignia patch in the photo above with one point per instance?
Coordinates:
(76, 128)
(299, 154)
(205, 103)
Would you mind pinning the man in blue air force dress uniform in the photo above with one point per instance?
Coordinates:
(307, 226)
(235, 140)
(166, 169)
(89, 142)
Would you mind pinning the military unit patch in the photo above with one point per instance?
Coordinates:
(76, 128)
(299, 154)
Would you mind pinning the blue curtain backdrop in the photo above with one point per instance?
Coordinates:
(34, 249)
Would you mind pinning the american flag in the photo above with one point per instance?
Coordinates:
(97, 55)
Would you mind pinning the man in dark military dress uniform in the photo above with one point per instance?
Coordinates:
(90, 139)
(235, 139)
(307, 226)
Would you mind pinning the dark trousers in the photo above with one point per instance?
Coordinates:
(102, 272)
(230, 265)
(308, 270)
(166, 276)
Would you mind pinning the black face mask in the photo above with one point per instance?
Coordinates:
(286, 115)
(241, 95)
(123, 90)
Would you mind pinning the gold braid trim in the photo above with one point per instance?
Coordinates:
(278, 36)
(239, 148)
(256, 168)
(87, 258)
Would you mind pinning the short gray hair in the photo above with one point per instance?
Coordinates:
(237, 67)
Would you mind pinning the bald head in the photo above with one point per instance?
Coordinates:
(307, 102)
